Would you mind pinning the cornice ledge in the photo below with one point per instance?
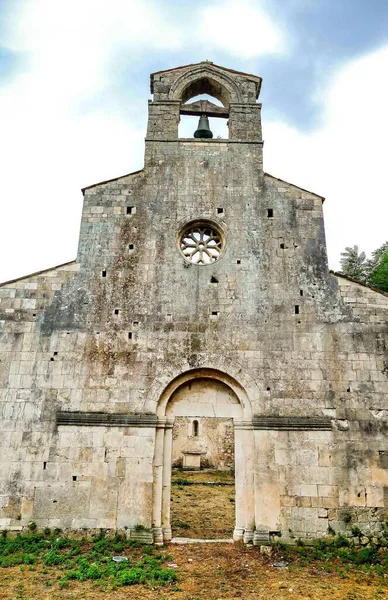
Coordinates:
(293, 423)
(99, 419)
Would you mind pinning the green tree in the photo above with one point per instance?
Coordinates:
(354, 264)
(378, 268)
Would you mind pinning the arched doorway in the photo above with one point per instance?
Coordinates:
(216, 394)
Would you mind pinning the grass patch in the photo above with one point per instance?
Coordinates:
(82, 559)
(202, 504)
(329, 549)
(180, 481)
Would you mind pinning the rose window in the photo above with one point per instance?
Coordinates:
(201, 243)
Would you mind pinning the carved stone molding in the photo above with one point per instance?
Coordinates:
(292, 423)
(105, 419)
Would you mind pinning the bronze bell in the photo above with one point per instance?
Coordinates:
(203, 129)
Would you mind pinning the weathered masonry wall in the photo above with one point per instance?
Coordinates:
(89, 349)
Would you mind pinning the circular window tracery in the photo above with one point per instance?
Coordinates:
(201, 243)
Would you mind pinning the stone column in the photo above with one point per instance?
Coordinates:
(267, 494)
(249, 483)
(166, 479)
(158, 483)
(239, 469)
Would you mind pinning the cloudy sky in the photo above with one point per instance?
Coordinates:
(74, 85)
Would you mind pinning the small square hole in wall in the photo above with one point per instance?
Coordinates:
(348, 390)
(269, 213)
(74, 477)
(131, 246)
(301, 292)
(117, 311)
(268, 389)
(129, 335)
(131, 210)
(282, 246)
(213, 279)
(220, 210)
(103, 273)
(238, 261)
(51, 359)
(55, 353)
(297, 309)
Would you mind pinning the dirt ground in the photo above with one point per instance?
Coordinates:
(208, 572)
(203, 509)
(218, 571)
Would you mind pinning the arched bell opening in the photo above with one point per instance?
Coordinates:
(204, 110)
(203, 104)
(202, 395)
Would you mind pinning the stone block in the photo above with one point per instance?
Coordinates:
(309, 490)
(328, 490)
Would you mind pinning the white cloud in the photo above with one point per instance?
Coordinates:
(240, 27)
(345, 160)
(47, 150)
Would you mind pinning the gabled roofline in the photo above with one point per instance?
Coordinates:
(88, 187)
(258, 80)
(373, 289)
(71, 262)
(295, 186)
(209, 62)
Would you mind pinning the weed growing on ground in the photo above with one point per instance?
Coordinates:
(181, 481)
(339, 547)
(88, 560)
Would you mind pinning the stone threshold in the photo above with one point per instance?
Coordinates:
(183, 540)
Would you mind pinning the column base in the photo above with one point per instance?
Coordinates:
(167, 534)
(238, 534)
(260, 537)
(248, 536)
(158, 536)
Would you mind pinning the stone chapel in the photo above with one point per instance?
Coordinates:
(201, 290)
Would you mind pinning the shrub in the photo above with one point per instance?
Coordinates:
(132, 576)
(53, 558)
(356, 531)
(346, 517)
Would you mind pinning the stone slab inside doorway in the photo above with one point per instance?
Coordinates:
(182, 540)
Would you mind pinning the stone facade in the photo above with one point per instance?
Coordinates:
(94, 354)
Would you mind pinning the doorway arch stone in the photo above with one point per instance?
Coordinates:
(243, 452)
